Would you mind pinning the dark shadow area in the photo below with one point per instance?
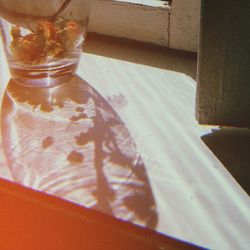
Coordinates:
(142, 53)
(69, 142)
(232, 148)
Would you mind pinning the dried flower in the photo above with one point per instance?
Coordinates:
(50, 41)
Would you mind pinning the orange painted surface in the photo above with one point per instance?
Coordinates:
(34, 220)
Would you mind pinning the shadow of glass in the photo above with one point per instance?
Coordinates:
(69, 142)
(231, 146)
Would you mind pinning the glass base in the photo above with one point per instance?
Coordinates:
(43, 76)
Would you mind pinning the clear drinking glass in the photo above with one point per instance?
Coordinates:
(43, 39)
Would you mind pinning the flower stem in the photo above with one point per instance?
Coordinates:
(60, 10)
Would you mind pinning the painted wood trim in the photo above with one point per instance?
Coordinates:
(152, 3)
(184, 25)
(129, 20)
(175, 26)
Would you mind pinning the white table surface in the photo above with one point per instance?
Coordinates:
(197, 200)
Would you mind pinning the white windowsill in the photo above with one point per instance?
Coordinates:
(197, 200)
